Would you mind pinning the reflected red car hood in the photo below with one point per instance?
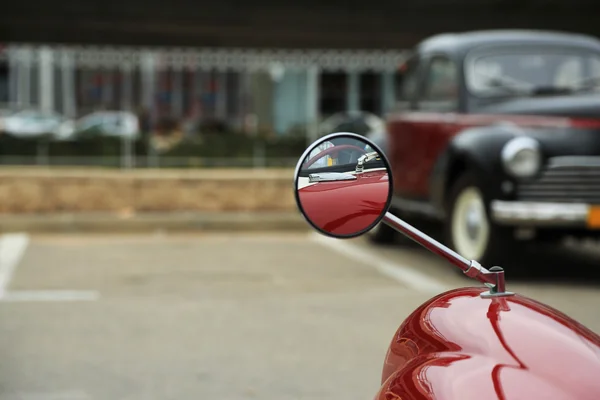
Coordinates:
(346, 207)
(460, 346)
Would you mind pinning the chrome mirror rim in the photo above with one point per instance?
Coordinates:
(374, 148)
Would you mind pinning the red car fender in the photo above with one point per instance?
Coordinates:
(346, 207)
(461, 346)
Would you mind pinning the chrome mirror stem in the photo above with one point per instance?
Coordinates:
(493, 278)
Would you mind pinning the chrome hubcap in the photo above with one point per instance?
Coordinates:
(470, 226)
(473, 221)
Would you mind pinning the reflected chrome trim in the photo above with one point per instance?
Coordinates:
(538, 213)
(330, 177)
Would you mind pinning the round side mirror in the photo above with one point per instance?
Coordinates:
(343, 185)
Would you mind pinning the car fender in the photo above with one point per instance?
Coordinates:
(345, 207)
(476, 150)
(459, 345)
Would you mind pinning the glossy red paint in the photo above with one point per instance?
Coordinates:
(460, 346)
(417, 139)
(346, 207)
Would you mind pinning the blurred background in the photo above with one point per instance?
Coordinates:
(151, 245)
(223, 84)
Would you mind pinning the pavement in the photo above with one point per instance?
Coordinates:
(209, 315)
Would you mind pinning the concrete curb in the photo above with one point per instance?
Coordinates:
(151, 222)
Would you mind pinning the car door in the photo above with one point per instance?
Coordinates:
(401, 134)
(438, 104)
(428, 102)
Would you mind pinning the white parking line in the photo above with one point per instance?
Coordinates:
(50, 295)
(12, 249)
(404, 274)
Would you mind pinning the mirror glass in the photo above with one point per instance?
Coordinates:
(343, 185)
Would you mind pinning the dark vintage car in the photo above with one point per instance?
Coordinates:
(497, 135)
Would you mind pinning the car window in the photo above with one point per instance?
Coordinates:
(323, 161)
(568, 71)
(350, 150)
(407, 83)
(110, 119)
(573, 69)
(91, 121)
(495, 70)
(595, 67)
(441, 85)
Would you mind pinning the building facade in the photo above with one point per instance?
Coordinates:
(283, 90)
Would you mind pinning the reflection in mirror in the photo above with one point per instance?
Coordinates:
(343, 187)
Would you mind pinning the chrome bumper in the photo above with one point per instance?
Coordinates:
(540, 214)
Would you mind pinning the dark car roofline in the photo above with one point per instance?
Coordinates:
(465, 41)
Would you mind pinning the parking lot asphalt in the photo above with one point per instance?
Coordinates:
(227, 316)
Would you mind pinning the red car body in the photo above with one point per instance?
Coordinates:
(461, 346)
(346, 207)
(417, 140)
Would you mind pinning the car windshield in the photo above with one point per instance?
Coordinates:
(523, 70)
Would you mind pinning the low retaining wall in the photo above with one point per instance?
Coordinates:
(48, 190)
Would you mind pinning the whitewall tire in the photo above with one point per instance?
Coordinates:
(469, 230)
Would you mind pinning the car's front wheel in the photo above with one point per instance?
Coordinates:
(469, 230)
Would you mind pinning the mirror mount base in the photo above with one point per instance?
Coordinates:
(490, 295)
(498, 288)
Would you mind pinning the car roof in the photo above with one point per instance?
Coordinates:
(464, 41)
